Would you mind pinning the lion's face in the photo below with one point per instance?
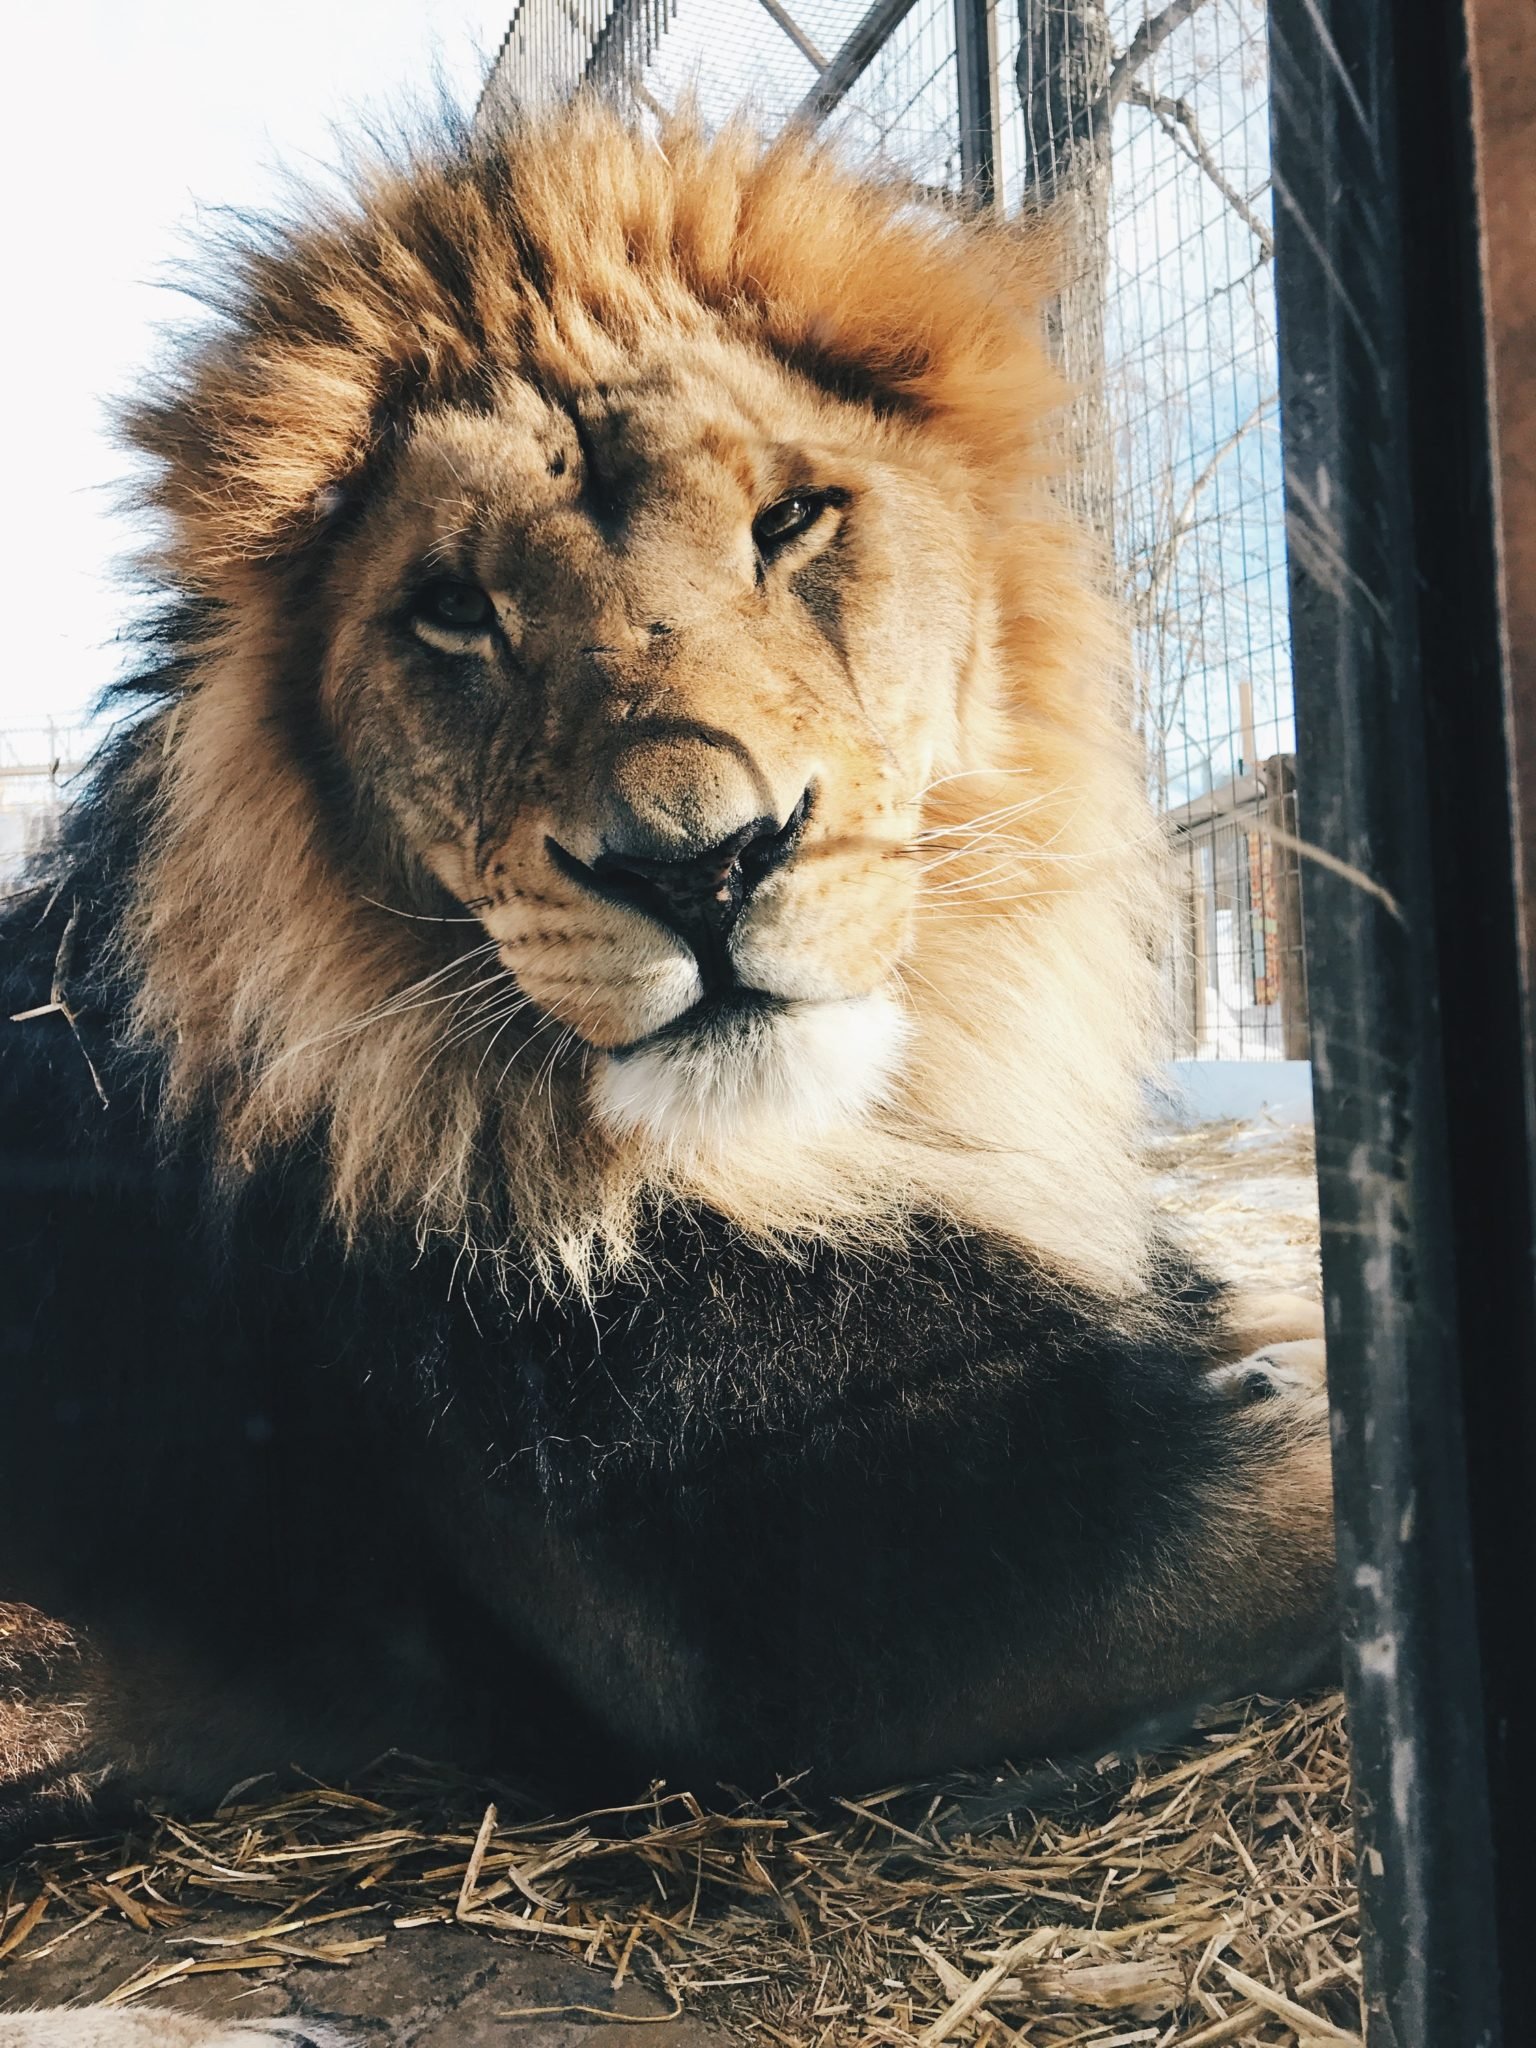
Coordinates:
(641, 725)
(651, 670)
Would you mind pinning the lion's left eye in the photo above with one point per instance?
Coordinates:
(790, 516)
(457, 607)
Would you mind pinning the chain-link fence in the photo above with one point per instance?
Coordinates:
(1146, 129)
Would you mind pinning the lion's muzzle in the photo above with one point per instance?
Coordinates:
(696, 891)
(690, 835)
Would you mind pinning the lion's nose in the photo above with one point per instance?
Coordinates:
(700, 892)
(696, 890)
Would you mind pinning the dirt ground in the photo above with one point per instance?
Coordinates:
(1199, 1896)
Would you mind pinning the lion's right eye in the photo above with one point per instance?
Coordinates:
(791, 516)
(455, 607)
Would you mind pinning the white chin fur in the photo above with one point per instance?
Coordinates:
(793, 1071)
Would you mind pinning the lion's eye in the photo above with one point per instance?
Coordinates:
(457, 607)
(789, 517)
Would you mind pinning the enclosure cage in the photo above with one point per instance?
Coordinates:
(1146, 133)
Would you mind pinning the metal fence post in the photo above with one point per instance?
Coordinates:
(976, 72)
(1418, 1054)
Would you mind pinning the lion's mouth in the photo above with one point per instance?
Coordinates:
(724, 1015)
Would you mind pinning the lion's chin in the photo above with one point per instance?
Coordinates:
(790, 1069)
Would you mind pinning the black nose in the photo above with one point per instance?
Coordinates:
(698, 893)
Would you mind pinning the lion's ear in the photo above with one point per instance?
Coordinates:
(336, 326)
(250, 447)
(872, 291)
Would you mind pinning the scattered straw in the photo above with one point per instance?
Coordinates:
(1245, 1195)
(1185, 1901)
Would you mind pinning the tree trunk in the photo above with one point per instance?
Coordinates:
(1065, 54)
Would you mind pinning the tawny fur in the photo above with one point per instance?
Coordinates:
(289, 1001)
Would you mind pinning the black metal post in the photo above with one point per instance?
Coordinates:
(1418, 1047)
(853, 58)
(976, 69)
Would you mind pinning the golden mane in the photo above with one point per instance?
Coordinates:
(293, 1004)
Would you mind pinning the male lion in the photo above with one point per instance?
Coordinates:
(572, 1166)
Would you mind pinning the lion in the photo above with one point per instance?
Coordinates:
(573, 1138)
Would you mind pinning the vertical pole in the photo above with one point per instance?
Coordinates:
(1403, 776)
(1202, 892)
(1290, 969)
(976, 70)
(1504, 90)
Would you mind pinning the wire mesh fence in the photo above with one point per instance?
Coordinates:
(1146, 130)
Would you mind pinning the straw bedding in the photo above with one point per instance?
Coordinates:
(1191, 1898)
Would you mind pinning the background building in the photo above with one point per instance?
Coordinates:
(36, 768)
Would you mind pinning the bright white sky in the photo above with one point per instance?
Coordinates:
(118, 122)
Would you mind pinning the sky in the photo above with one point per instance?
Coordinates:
(120, 121)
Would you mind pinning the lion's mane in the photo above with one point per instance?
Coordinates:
(278, 996)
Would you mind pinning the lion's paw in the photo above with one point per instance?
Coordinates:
(100, 2027)
(1258, 1322)
(1296, 1371)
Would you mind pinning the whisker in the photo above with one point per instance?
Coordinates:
(546, 1074)
(424, 917)
(487, 1016)
(936, 912)
(481, 999)
(1004, 814)
(905, 969)
(411, 997)
(966, 885)
(416, 999)
(500, 1025)
(968, 775)
(426, 981)
(537, 1032)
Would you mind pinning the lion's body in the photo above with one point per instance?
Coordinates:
(472, 1285)
(708, 1521)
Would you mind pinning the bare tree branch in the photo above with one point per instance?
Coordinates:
(1174, 114)
(1160, 559)
(1146, 42)
(1081, 123)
